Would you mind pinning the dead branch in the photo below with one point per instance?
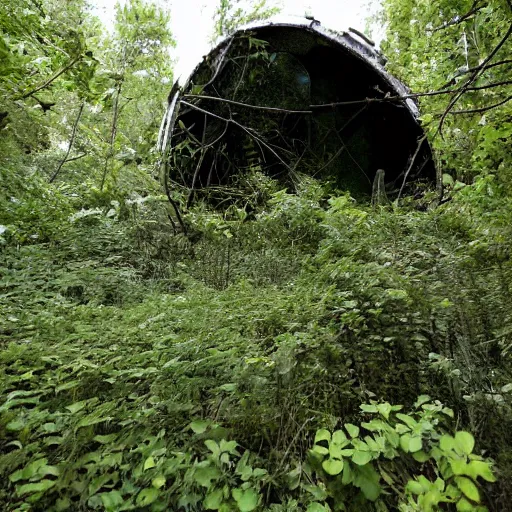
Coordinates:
(71, 140)
(250, 131)
(246, 105)
(113, 133)
(411, 165)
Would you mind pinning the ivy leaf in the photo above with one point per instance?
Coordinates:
(76, 407)
(367, 479)
(339, 438)
(447, 443)
(368, 408)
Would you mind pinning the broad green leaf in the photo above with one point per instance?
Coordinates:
(468, 487)
(422, 399)
(459, 466)
(158, 482)
(353, 430)
(213, 500)
(414, 487)
(367, 479)
(408, 420)
(30, 471)
(385, 408)
(322, 435)
(316, 507)
(204, 476)
(361, 457)
(463, 505)
(77, 406)
(415, 444)
(465, 442)
(320, 449)
(228, 446)
(447, 443)
(147, 496)
(335, 451)
(507, 388)
(200, 426)
(405, 441)
(150, 463)
(247, 500)
(421, 456)
(213, 447)
(332, 466)
(319, 493)
(112, 500)
(107, 439)
(368, 408)
(68, 385)
(339, 438)
(478, 468)
(348, 474)
(41, 486)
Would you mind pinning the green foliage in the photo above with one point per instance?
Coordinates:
(439, 46)
(354, 465)
(135, 358)
(251, 365)
(230, 14)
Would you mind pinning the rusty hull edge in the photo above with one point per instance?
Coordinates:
(350, 42)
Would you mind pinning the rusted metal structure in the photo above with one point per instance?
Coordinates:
(282, 99)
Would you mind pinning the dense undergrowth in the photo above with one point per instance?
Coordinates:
(143, 370)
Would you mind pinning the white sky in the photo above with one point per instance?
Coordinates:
(192, 21)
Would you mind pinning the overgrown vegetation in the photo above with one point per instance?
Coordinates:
(313, 353)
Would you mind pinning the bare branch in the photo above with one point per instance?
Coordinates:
(239, 104)
(411, 165)
(71, 140)
(478, 71)
(458, 20)
(482, 109)
(247, 130)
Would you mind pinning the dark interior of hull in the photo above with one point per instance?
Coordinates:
(220, 138)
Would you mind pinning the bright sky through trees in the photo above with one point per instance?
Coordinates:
(192, 21)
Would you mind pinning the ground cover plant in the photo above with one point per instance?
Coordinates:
(293, 352)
